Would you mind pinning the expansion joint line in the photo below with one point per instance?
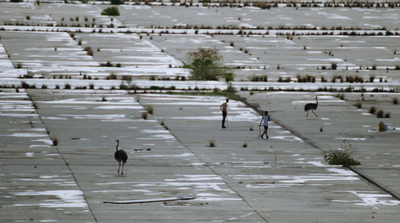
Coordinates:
(63, 158)
(230, 187)
(212, 170)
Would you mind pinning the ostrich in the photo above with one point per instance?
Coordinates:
(121, 157)
(312, 107)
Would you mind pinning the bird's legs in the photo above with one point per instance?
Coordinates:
(314, 113)
(122, 171)
(119, 166)
(307, 114)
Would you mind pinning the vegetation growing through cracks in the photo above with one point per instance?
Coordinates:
(342, 156)
(205, 65)
(111, 11)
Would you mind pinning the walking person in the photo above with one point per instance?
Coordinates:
(224, 109)
(265, 119)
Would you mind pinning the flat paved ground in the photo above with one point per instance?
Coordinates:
(57, 161)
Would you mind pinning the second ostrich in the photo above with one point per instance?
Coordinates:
(312, 107)
(121, 157)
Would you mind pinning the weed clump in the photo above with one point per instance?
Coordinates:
(55, 142)
(150, 109)
(259, 78)
(212, 143)
(380, 113)
(111, 11)
(372, 110)
(342, 156)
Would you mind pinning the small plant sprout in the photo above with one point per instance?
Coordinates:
(372, 110)
(380, 113)
(55, 141)
(395, 101)
(358, 104)
(144, 115)
(150, 109)
(342, 156)
(211, 143)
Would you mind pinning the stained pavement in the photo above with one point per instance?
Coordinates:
(243, 178)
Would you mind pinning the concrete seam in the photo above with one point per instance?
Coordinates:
(248, 204)
(63, 158)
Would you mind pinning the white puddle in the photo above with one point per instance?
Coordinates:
(119, 107)
(65, 198)
(290, 138)
(353, 139)
(102, 117)
(27, 135)
(29, 154)
(179, 155)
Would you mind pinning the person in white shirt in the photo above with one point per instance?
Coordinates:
(265, 119)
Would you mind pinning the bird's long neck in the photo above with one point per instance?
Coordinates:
(116, 148)
(316, 99)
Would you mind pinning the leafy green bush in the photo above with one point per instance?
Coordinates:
(342, 156)
(205, 65)
(111, 11)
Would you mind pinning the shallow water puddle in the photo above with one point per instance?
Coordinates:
(65, 198)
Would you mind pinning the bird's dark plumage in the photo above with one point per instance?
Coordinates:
(312, 107)
(121, 157)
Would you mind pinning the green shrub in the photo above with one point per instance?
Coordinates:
(395, 101)
(111, 11)
(342, 156)
(206, 64)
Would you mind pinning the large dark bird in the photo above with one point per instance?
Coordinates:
(312, 107)
(121, 157)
